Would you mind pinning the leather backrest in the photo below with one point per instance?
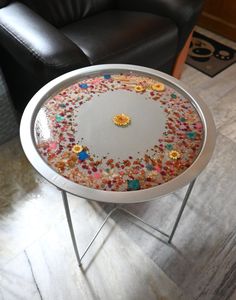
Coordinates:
(62, 12)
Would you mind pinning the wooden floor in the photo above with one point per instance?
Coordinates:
(128, 261)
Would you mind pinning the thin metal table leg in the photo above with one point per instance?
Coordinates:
(189, 190)
(68, 216)
(96, 234)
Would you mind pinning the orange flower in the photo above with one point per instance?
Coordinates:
(60, 165)
(159, 87)
(121, 120)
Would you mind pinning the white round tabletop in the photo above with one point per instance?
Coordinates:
(117, 133)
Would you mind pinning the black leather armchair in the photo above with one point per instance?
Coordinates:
(41, 39)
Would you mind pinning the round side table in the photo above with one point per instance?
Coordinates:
(120, 134)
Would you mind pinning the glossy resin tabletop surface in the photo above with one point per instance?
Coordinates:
(119, 129)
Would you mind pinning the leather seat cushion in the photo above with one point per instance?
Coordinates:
(125, 37)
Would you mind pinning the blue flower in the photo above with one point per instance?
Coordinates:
(83, 155)
(59, 118)
(149, 167)
(107, 76)
(169, 146)
(83, 85)
(191, 135)
(133, 185)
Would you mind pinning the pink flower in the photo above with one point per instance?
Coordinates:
(158, 169)
(52, 145)
(198, 125)
(96, 80)
(97, 175)
(58, 97)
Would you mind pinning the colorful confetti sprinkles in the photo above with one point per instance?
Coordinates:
(170, 156)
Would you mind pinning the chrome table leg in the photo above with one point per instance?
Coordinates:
(68, 216)
(189, 190)
(170, 237)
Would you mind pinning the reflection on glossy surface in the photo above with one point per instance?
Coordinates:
(42, 127)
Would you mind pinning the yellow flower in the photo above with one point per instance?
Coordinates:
(139, 88)
(121, 120)
(159, 87)
(174, 154)
(77, 148)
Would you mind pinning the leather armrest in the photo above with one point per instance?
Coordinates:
(3, 3)
(183, 12)
(36, 44)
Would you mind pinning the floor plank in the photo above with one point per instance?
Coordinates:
(17, 281)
